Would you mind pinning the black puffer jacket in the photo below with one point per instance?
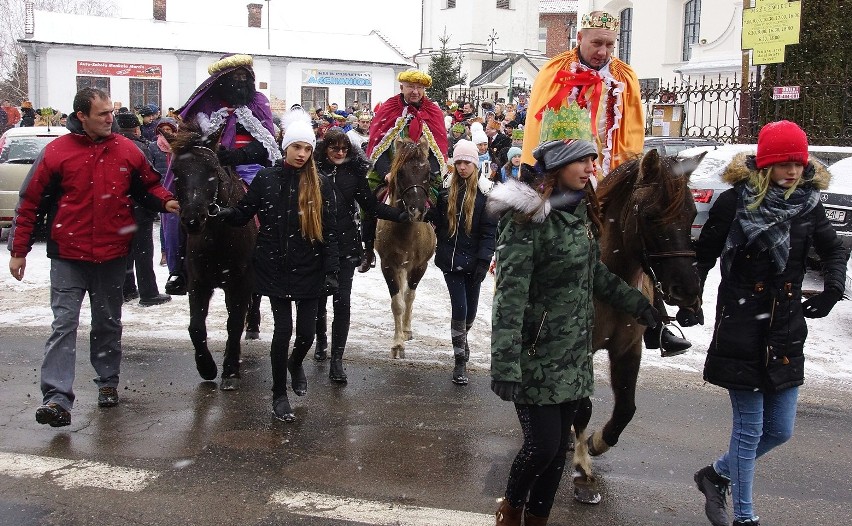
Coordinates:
(350, 185)
(285, 263)
(760, 330)
(462, 252)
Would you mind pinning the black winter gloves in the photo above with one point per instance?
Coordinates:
(820, 305)
(481, 270)
(687, 317)
(223, 213)
(505, 390)
(231, 157)
(649, 316)
(404, 217)
(331, 285)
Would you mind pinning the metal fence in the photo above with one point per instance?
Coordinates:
(727, 110)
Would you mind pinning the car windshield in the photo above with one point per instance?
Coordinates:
(23, 149)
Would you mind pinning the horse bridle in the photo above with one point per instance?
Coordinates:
(416, 186)
(647, 257)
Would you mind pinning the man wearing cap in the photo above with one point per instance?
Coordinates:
(604, 86)
(150, 114)
(412, 115)
(227, 104)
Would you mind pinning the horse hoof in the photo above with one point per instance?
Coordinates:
(231, 383)
(409, 336)
(397, 351)
(206, 366)
(252, 335)
(585, 493)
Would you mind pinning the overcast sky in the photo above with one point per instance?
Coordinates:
(399, 20)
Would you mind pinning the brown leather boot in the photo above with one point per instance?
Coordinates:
(507, 515)
(368, 261)
(532, 520)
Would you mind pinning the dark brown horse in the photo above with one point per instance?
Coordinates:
(406, 248)
(648, 211)
(217, 255)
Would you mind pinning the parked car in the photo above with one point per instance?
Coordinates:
(706, 182)
(19, 148)
(674, 145)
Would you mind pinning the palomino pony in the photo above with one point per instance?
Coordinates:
(217, 255)
(406, 248)
(647, 210)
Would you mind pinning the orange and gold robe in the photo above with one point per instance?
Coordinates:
(621, 122)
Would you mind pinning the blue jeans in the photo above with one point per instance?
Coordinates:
(762, 422)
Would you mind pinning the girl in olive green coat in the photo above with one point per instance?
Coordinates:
(548, 273)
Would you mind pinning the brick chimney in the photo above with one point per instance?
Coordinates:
(255, 14)
(160, 10)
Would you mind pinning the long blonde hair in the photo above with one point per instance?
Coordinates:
(761, 180)
(470, 186)
(310, 202)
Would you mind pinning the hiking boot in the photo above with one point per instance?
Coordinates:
(282, 410)
(176, 284)
(715, 488)
(53, 414)
(661, 336)
(748, 522)
(159, 299)
(368, 261)
(107, 397)
(130, 295)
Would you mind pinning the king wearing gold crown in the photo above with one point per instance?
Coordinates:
(589, 78)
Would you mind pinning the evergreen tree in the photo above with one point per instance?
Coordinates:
(820, 66)
(445, 72)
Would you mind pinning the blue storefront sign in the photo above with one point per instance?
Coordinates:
(320, 77)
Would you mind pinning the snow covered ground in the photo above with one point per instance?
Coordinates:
(26, 304)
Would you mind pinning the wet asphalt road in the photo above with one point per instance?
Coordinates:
(398, 433)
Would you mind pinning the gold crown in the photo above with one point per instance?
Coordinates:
(415, 77)
(603, 20)
(232, 61)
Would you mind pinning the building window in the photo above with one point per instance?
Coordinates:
(542, 39)
(316, 98)
(451, 4)
(143, 92)
(625, 34)
(691, 27)
(362, 96)
(504, 4)
(101, 83)
(572, 36)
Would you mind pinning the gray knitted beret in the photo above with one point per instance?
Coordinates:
(556, 154)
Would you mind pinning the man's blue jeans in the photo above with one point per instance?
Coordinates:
(761, 422)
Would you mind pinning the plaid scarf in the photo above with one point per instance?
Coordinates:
(768, 226)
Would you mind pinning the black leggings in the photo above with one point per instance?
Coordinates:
(282, 315)
(464, 295)
(342, 302)
(538, 467)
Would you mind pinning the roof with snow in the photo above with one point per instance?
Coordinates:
(557, 6)
(84, 30)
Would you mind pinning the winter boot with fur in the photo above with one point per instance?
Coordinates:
(533, 520)
(507, 515)
(458, 335)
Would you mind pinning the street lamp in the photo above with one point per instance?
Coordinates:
(268, 24)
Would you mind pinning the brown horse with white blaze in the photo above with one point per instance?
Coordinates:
(647, 214)
(406, 248)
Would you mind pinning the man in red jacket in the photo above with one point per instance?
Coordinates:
(84, 182)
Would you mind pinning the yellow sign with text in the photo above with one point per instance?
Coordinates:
(769, 27)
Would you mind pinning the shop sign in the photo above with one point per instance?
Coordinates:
(324, 77)
(119, 69)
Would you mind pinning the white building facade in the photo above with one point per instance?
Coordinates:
(162, 58)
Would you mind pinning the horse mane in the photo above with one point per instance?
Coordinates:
(405, 150)
(617, 187)
(188, 135)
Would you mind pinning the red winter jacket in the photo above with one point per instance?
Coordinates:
(86, 188)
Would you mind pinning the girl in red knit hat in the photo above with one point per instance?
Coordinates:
(761, 230)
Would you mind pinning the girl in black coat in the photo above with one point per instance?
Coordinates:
(465, 246)
(295, 258)
(347, 171)
(761, 231)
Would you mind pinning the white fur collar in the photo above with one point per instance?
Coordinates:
(519, 197)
